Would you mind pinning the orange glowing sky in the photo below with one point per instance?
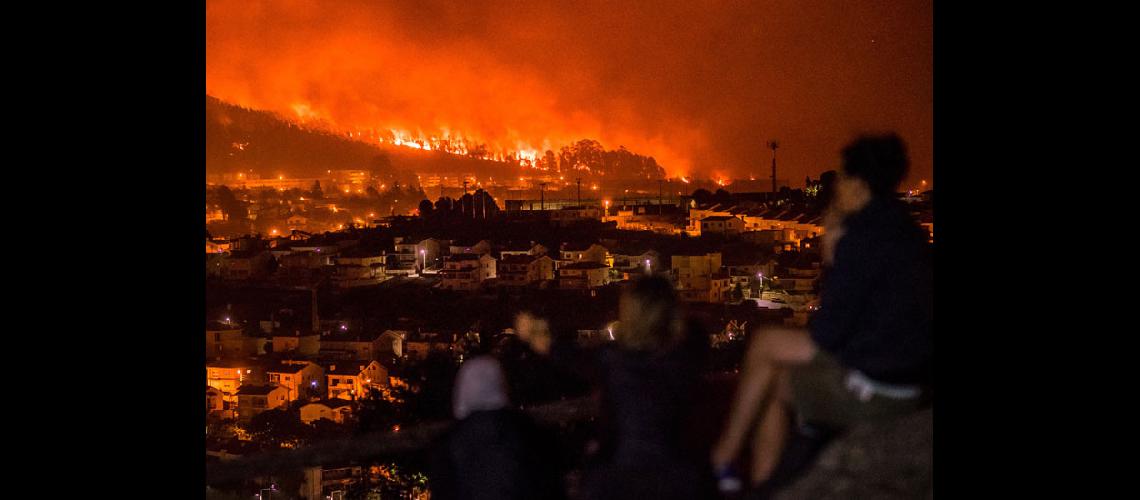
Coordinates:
(699, 85)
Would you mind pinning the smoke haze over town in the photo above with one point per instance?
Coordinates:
(700, 87)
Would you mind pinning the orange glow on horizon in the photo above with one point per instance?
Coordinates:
(521, 80)
(349, 77)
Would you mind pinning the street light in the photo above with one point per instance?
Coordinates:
(270, 489)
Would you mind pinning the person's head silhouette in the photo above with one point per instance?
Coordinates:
(650, 319)
(873, 167)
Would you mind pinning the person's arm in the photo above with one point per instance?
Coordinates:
(560, 349)
(844, 290)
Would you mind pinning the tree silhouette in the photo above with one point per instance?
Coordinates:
(702, 196)
(722, 197)
(426, 208)
(375, 413)
(274, 427)
(231, 206)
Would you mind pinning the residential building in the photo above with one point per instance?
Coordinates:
(405, 260)
(582, 275)
(352, 379)
(779, 239)
(215, 402)
(227, 375)
(246, 264)
(225, 340)
(299, 378)
(298, 259)
(391, 342)
(584, 252)
(693, 272)
(325, 481)
(720, 287)
(296, 221)
(636, 261)
(429, 253)
(214, 213)
(421, 347)
(531, 248)
(469, 247)
(307, 343)
(570, 215)
(522, 270)
(254, 399)
(358, 267)
(662, 219)
(217, 246)
(696, 215)
(336, 410)
(722, 224)
(466, 271)
(352, 346)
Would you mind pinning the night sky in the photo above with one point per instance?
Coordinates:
(699, 85)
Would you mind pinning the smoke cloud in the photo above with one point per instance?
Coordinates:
(700, 85)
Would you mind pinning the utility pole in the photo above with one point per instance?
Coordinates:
(773, 144)
(463, 209)
(660, 186)
(542, 196)
(579, 179)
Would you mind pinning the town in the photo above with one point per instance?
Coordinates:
(345, 304)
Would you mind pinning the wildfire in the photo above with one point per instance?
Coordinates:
(304, 112)
(351, 71)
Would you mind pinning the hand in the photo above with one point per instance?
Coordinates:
(832, 232)
(534, 331)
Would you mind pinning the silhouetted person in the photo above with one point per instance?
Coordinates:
(494, 451)
(867, 352)
(647, 378)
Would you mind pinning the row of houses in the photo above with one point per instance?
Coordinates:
(244, 388)
(472, 265)
(269, 371)
(782, 227)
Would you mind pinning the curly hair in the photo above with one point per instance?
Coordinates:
(879, 160)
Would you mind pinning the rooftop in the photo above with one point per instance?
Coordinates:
(332, 403)
(255, 390)
(518, 259)
(576, 246)
(347, 367)
(584, 265)
(718, 218)
(350, 337)
(462, 256)
(286, 367)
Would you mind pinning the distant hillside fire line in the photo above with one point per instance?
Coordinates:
(304, 138)
(523, 155)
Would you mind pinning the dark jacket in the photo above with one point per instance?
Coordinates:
(496, 455)
(876, 306)
(647, 399)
